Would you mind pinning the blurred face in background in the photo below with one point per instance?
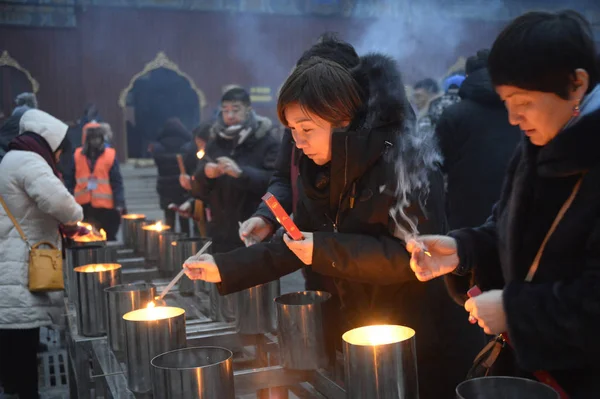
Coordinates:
(234, 112)
(421, 98)
(200, 143)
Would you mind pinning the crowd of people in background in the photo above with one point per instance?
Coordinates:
(359, 162)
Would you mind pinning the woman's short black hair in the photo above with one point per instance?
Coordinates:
(330, 47)
(540, 51)
(321, 87)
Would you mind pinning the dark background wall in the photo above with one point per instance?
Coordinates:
(95, 61)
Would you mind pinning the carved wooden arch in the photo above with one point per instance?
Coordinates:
(162, 61)
(7, 60)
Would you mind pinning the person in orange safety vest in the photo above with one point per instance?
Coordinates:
(98, 184)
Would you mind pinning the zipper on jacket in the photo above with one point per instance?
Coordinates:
(337, 214)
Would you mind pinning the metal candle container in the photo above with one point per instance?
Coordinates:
(129, 229)
(183, 249)
(151, 234)
(91, 306)
(222, 308)
(139, 245)
(79, 254)
(121, 299)
(504, 387)
(380, 362)
(255, 311)
(300, 330)
(194, 373)
(148, 333)
(167, 245)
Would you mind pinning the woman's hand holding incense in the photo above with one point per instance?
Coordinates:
(432, 256)
(202, 267)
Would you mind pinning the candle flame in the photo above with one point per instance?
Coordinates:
(153, 313)
(158, 226)
(92, 235)
(200, 154)
(97, 268)
(378, 335)
(132, 216)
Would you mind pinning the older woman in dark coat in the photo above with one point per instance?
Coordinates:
(544, 68)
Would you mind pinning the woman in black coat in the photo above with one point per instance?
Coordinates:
(544, 68)
(361, 160)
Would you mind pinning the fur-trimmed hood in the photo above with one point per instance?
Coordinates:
(389, 122)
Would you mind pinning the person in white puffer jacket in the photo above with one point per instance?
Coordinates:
(31, 186)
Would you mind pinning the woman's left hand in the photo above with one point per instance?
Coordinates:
(488, 310)
(302, 248)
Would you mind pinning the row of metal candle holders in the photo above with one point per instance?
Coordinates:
(152, 340)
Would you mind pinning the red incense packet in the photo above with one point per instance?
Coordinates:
(282, 217)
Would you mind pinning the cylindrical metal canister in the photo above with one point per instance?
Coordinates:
(122, 299)
(79, 254)
(300, 330)
(504, 387)
(255, 311)
(152, 233)
(381, 362)
(148, 333)
(91, 306)
(128, 228)
(139, 246)
(167, 252)
(194, 373)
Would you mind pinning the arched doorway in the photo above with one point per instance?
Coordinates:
(14, 79)
(159, 92)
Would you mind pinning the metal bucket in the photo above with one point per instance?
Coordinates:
(79, 254)
(504, 388)
(128, 228)
(91, 306)
(380, 362)
(140, 237)
(255, 310)
(300, 330)
(148, 333)
(167, 244)
(194, 373)
(222, 308)
(151, 242)
(185, 248)
(121, 299)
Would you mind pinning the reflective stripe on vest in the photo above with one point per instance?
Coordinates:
(102, 195)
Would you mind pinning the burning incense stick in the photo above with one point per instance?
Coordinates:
(180, 274)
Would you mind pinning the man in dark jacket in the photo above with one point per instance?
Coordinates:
(10, 128)
(172, 140)
(477, 142)
(235, 173)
